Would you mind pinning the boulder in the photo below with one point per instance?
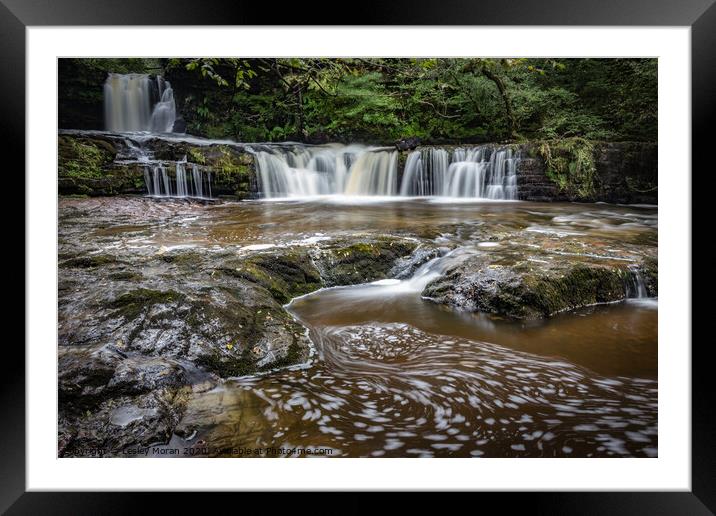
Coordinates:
(407, 143)
(522, 291)
(371, 259)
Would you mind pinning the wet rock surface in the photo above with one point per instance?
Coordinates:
(161, 303)
(97, 163)
(350, 263)
(153, 317)
(532, 288)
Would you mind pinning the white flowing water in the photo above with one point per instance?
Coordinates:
(138, 102)
(181, 179)
(481, 172)
(425, 173)
(636, 287)
(327, 170)
(184, 184)
(477, 172)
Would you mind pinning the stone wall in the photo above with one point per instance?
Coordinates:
(626, 172)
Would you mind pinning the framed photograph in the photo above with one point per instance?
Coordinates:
(427, 250)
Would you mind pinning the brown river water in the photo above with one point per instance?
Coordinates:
(395, 375)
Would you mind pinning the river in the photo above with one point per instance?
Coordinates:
(393, 374)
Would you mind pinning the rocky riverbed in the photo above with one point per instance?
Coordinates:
(177, 318)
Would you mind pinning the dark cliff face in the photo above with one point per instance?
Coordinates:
(626, 172)
(80, 96)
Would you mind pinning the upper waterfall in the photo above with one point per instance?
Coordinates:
(479, 172)
(138, 102)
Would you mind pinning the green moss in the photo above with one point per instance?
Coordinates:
(580, 286)
(130, 304)
(649, 269)
(196, 155)
(293, 356)
(125, 276)
(285, 276)
(90, 261)
(255, 274)
(570, 164)
(83, 158)
(363, 261)
(182, 258)
(226, 365)
(227, 164)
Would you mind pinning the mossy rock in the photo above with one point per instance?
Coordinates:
(125, 276)
(83, 157)
(571, 165)
(86, 166)
(181, 259)
(581, 285)
(520, 291)
(284, 275)
(362, 262)
(233, 329)
(130, 304)
(95, 260)
(232, 169)
(245, 362)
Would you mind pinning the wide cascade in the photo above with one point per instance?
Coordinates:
(480, 172)
(138, 102)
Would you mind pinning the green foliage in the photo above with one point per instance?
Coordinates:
(85, 160)
(380, 100)
(570, 164)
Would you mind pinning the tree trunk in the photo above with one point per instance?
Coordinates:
(505, 98)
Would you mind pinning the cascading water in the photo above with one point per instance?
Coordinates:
(138, 102)
(636, 287)
(373, 173)
(165, 111)
(478, 172)
(481, 172)
(425, 173)
(332, 170)
(187, 182)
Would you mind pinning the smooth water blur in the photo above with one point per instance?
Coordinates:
(393, 374)
(481, 172)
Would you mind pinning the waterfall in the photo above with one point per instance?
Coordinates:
(198, 181)
(138, 102)
(481, 172)
(466, 179)
(425, 172)
(636, 287)
(165, 111)
(374, 173)
(181, 179)
(329, 170)
(478, 175)
(159, 182)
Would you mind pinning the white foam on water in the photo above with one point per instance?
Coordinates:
(258, 247)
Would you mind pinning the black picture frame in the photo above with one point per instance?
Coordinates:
(700, 15)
